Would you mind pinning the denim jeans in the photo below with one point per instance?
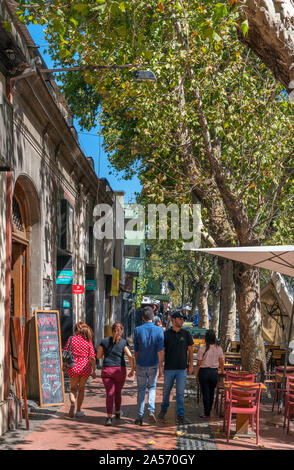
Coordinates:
(170, 376)
(146, 378)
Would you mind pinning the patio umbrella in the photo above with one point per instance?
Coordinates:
(278, 258)
(275, 258)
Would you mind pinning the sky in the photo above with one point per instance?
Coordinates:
(90, 142)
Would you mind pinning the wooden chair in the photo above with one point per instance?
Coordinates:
(277, 390)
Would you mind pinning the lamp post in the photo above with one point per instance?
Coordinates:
(36, 66)
(138, 75)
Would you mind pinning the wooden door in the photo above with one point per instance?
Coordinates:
(18, 280)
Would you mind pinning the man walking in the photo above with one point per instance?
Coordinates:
(178, 343)
(148, 345)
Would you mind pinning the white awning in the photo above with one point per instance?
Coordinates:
(275, 258)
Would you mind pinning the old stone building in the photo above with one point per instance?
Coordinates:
(48, 191)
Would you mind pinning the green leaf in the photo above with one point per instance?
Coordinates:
(220, 11)
(216, 37)
(244, 27)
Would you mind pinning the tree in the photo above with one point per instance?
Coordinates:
(216, 121)
(271, 35)
(168, 261)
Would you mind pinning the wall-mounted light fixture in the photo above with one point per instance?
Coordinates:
(138, 75)
(36, 64)
(144, 75)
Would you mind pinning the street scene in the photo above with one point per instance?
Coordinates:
(146, 228)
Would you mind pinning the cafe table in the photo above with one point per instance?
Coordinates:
(280, 373)
(242, 420)
(233, 357)
(288, 369)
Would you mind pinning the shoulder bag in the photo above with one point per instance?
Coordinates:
(67, 357)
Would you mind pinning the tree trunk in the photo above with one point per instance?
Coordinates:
(215, 311)
(228, 303)
(246, 280)
(194, 298)
(271, 35)
(203, 306)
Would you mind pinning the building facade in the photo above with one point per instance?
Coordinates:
(49, 190)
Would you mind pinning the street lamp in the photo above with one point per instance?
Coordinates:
(138, 75)
(36, 65)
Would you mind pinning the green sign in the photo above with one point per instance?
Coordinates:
(91, 284)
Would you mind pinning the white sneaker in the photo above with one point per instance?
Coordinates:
(80, 414)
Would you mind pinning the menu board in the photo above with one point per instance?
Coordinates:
(51, 382)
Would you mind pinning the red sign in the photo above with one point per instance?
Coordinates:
(76, 289)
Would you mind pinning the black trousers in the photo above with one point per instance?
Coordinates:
(208, 379)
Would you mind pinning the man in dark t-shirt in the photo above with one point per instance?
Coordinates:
(178, 344)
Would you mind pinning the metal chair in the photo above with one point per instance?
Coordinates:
(289, 408)
(238, 376)
(289, 390)
(242, 399)
(219, 393)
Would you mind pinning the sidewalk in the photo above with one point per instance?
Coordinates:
(89, 433)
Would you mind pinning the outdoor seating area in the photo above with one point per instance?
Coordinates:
(241, 395)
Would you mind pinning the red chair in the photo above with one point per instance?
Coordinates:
(243, 399)
(290, 406)
(289, 389)
(239, 376)
(235, 377)
(219, 394)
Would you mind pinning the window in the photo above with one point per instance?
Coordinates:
(132, 251)
(16, 216)
(66, 225)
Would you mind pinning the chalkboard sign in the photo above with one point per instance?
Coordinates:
(51, 382)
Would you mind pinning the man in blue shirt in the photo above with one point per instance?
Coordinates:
(149, 347)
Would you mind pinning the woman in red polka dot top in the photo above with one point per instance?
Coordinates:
(84, 366)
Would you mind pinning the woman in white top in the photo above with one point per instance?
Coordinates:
(209, 358)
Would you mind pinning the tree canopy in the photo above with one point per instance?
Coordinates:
(216, 127)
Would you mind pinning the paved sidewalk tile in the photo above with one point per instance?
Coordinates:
(90, 433)
(60, 432)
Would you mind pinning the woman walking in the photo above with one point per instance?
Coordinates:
(113, 372)
(209, 358)
(84, 366)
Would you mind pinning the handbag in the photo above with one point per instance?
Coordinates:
(67, 357)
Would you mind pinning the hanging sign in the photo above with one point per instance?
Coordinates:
(91, 284)
(64, 277)
(115, 283)
(77, 289)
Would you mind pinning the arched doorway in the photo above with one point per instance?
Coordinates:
(19, 294)
(25, 267)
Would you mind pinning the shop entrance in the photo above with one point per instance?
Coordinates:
(19, 262)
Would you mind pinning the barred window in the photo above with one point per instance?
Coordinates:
(16, 216)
